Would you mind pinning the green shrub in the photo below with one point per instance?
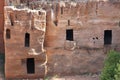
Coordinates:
(110, 64)
(117, 70)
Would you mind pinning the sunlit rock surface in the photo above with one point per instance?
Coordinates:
(75, 36)
(24, 39)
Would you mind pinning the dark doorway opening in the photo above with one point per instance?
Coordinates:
(107, 37)
(61, 10)
(11, 20)
(8, 34)
(69, 34)
(30, 66)
(27, 39)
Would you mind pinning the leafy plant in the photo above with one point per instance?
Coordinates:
(117, 70)
(110, 64)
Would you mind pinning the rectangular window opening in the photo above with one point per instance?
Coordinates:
(11, 20)
(39, 13)
(8, 34)
(69, 34)
(61, 10)
(107, 37)
(68, 22)
(30, 66)
(27, 40)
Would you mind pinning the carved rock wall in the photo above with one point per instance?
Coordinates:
(24, 39)
(86, 53)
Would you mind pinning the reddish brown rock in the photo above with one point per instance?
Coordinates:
(76, 37)
(24, 40)
(1, 26)
(77, 44)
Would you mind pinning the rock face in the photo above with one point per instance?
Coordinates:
(24, 38)
(84, 33)
(76, 38)
(1, 26)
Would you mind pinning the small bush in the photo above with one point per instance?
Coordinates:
(117, 70)
(110, 64)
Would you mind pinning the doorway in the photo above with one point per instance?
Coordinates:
(69, 34)
(30, 66)
(107, 37)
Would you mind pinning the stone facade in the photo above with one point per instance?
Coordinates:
(24, 37)
(75, 36)
(84, 33)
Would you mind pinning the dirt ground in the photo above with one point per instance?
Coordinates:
(77, 77)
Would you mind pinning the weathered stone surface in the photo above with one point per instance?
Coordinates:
(88, 21)
(20, 22)
(85, 54)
